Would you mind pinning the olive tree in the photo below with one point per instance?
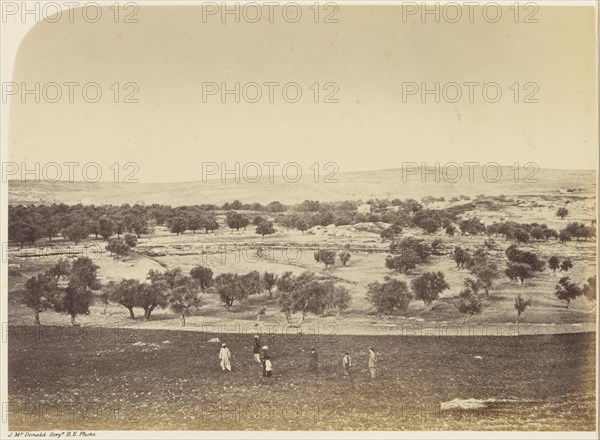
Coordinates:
(77, 297)
(566, 290)
(184, 297)
(303, 294)
(428, 286)
(37, 294)
(389, 296)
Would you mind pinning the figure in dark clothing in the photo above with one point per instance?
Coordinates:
(264, 356)
(313, 362)
(346, 363)
(256, 350)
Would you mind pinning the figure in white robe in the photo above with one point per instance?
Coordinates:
(225, 358)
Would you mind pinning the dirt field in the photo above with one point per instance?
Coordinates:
(143, 379)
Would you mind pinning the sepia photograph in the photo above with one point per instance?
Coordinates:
(299, 219)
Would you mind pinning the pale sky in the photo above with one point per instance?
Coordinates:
(369, 54)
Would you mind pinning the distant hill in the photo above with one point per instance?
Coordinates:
(350, 186)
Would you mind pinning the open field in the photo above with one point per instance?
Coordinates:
(142, 379)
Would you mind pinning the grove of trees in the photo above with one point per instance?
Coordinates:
(65, 288)
(69, 287)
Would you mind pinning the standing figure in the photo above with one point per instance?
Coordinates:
(225, 358)
(264, 356)
(313, 362)
(346, 363)
(256, 349)
(372, 363)
(268, 367)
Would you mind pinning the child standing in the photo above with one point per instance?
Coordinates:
(346, 363)
(264, 356)
(268, 367)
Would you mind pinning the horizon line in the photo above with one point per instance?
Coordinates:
(13, 180)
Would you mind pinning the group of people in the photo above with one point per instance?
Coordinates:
(261, 356)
